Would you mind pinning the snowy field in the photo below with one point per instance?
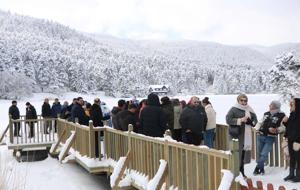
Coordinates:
(49, 174)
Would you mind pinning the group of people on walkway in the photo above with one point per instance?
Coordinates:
(192, 123)
(241, 118)
(189, 123)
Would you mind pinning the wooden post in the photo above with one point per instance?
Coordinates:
(130, 129)
(11, 130)
(5, 131)
(91, 140)
(167, 158)
(234, 160)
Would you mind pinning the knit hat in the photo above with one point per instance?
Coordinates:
(276, 104)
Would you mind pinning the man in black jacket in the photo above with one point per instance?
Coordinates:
(193, 120)
(127, 117)
(153, 120)
(46, 114)
(15, 114)
(30, 114)
(115, 111)
(268, 129)
(78, 112)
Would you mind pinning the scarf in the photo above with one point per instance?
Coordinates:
(248, 128)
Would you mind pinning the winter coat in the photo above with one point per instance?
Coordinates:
(169, 113)
(46, 110)
(78, 112)
(211, 117)
(125, 118)
(31, 112)
(56, 109)
(114, 119)
(96, 115)
(177, 112)
(194, 119)
(270, 121)
(232, 120)
(65, 112)
(153, 119)
(14, 112)
(293, 124)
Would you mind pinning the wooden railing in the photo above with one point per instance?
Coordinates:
(29, 138)
(276, 156)
(189, 167)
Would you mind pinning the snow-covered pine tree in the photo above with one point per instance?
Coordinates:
(285, 75)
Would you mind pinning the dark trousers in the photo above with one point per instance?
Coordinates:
(97, 141)
(191, 138)
(294, 156)
(31, 129)
(47, 126)
(242, 170)
(16, 129)
(176, 134)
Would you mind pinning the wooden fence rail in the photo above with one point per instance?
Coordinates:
(42, 130)
(189, 167)
(276, 156)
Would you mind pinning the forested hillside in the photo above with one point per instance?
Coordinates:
(43, 56)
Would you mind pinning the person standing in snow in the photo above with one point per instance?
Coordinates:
(211, 123)
(46, 114)
(15, 114)
(193, 120)
(78, 112)
(168, 109)
(56, 109)
(121, 106)
(127, 117)
(30, 114)
(153, 120)
(267, 130)
(293, 135)
(241, 118)
(176, 134)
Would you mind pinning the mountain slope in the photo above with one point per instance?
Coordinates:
(47, 56)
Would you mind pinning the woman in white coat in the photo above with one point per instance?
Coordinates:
(211, 123)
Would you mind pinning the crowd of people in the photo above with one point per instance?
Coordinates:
(193, 122)
(241, 118)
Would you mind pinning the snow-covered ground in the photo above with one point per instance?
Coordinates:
(50, 174)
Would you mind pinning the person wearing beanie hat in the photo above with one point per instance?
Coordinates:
(267, 130)
(293, 135)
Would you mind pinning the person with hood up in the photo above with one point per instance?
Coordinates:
(293, 135)
(153, 119)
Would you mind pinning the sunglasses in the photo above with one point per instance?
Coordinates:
(197, 102)
(243, 100)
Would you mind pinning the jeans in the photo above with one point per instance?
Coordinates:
(209, 138)
(265, 145)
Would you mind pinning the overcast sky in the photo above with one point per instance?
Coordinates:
(263, 22)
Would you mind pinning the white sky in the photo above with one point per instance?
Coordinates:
(264, 22)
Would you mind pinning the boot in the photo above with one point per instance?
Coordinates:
(291, 175)
(262, 171)
(256, 171)
(297, 178)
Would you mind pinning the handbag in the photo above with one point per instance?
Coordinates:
(296, 146)
(234, 131)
